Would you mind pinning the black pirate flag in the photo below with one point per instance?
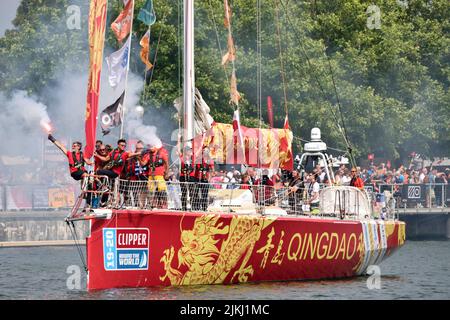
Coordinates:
(112, 115)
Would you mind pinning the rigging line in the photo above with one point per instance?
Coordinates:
(232, 61)
(259, 67)
(310, 66)
(179, 49)
(156, 50)
(347, 141)
(218, 40)
(75, 238)
(283, 74)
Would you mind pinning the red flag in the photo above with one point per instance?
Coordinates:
(286, 123)
(270, 111)
(122, 25)
(238, 139)
(145, 44)
(97, 26)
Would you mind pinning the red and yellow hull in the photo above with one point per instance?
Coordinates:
(152, 248)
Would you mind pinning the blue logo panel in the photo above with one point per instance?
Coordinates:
(120, 252)
(109, 248)
(132, 259)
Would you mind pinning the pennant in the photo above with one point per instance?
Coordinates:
(147, 14)
(122, 25)
(231, 53)
(234, 94)
(97, 27)
(286, 123)
(286, 160)
(118, 64)
(111, 116)
(145, 44)
(227, 19)
(270, 111)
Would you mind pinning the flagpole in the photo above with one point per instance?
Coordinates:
(128, 69)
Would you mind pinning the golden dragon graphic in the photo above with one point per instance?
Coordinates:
(208, 261)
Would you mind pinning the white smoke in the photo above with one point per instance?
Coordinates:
(134, 125)
(20, 123)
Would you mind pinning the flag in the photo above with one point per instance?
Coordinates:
(238, 138)
(286, 160)
(111, 116)
(97, 26)
(118, 64)
(122, 25)
(227, 19)
(286, 123)
(145, 44)
(270, 111)
(234, 94)
(231, 53)
(147, 14)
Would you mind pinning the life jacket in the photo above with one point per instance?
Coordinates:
(158, 162)
(116, 160)
(134, 168)
(187, 169)
(202, 170)
(76, 164)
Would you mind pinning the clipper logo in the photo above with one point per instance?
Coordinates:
(414, 192)
(126, 248)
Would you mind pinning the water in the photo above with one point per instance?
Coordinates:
(420, 270)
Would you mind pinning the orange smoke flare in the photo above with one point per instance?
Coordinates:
(46, 126)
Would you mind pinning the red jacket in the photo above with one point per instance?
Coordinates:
(119, 165)
(202, 170)
(357, 183)
(77, 163)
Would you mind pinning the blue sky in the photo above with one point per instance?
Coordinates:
(7, 14)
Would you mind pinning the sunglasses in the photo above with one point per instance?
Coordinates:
(122, 145)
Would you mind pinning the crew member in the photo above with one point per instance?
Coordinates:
(356, 181)
(295, 191)
(75, 157)
(135, 172)
(157, 161)
(187, 177)
(265, 190)
(115, 160)
(102, 151)
(313, 193)
(202, 174)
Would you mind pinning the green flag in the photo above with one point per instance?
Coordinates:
(147, 14)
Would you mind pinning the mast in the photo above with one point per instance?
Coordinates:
(188, 72)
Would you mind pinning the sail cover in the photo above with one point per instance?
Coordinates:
(97, 26)
(264, 148)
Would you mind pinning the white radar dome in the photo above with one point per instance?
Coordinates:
(315, 134)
